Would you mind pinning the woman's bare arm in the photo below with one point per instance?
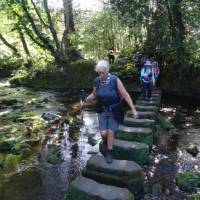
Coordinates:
(123, 92)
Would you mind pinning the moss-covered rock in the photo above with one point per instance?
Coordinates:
(21, 148)
(144, 114)
(53, 159)
(132, 151)
(188, 181)
(11, 161)
(165, 122)
(146, 123)
(7, 144)
(143, 135)
(192, 149)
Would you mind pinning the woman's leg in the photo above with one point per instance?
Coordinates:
(104, 136)
(110, 139)
(144, 91)
(149, 89)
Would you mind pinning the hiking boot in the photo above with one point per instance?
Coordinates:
(109, 158)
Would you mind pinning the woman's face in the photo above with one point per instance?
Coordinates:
(103, 74)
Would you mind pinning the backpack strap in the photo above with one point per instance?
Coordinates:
(113, 81)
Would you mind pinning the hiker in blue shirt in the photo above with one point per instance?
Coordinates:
(109, 91)
(148, 80)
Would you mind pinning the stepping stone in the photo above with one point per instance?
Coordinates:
(156, 94)
(143, 115)
(157, 99)
(147, 103)
(146, 123)
(128, 150)
(147, 108)
(121, 173)
(143, 135)
(86, 189)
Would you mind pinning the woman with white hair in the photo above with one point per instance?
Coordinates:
(109, 91)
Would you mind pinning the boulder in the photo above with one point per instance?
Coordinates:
(192, 149)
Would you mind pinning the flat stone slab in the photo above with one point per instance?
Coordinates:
(153, 98)
(144, 115)
(86, 189)
(147, 103)
(129, 150)
(147, 108)
(144, 135)
(121, 173)
(146, 123)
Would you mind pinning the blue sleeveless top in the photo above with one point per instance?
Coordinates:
(107, 93)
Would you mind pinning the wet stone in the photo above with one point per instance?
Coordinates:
(192, 149)
(147, 108)
(121, 173)
(126, 150)
(144, 135)
(146, 123)
(144, 115)
(165, 122)
(147, 103)
(86, 189)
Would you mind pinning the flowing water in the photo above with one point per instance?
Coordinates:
(32, 177)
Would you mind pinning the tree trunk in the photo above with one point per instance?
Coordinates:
(69, 27)
(25, 46)
(178, 33)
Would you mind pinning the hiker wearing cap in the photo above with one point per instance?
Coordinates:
(109, 91)
(148, 79)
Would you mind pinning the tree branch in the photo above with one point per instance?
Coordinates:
(39, 15)
(10, 46)
(51, 25)
(43, 39)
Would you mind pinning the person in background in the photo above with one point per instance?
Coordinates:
(109, 91)
(155, 70)
(148, 79)
(111, 55)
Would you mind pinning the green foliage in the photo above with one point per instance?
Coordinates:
(188, 181)
(8, 64)
(53, 77)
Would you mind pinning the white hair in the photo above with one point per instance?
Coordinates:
(102, 65)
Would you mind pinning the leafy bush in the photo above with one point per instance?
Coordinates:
(8, 64)
(189, 181)
(77, 74)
